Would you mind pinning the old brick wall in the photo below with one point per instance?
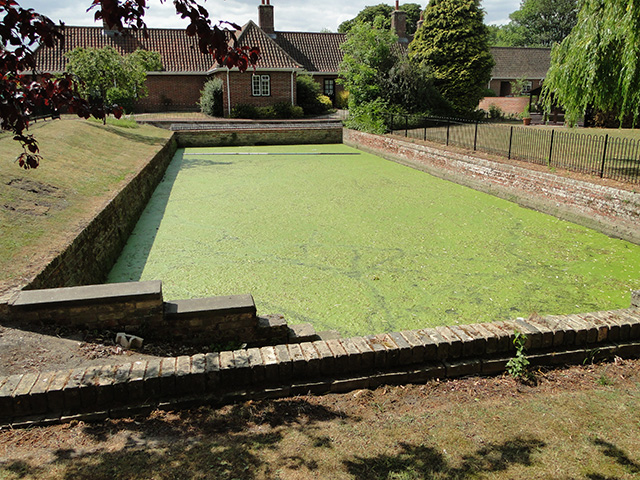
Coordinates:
(275, 135)
(172, 92)
(509, 105)
(90, 256)
(240, 89)
(610, 210)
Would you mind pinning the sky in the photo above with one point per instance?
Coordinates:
(289, 15)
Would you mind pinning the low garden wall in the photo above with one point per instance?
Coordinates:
(609, 210)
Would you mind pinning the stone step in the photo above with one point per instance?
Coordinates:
(302, 332)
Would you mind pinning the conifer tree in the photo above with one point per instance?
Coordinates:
(453, 43)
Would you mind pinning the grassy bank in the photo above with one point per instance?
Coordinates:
(84, 163)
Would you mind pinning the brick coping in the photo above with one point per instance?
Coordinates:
(335, 365)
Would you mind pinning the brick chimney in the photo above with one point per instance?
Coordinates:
(399, 23)
(265, 18)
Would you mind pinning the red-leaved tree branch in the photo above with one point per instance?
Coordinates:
(24, 90)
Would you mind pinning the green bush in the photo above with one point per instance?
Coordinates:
(121, 97)
(495, 112)
(368, 117)
(244, 110)
(310, 96)
(342, 99)
(267, 113)
(211, 98)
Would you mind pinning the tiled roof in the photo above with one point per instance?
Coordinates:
(316, 52)
(178, 51)
(517, 62)
(271, 55)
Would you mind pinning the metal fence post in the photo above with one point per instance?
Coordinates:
(448, 123)
(551, 147)
(475, 137)
(510, 140)
(604, 154)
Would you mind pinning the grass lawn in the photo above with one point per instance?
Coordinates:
(42, 209)
(349, 241)
(578, 423)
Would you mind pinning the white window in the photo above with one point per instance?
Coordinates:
(261, 85)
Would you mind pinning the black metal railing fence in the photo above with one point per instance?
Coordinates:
(605, 156)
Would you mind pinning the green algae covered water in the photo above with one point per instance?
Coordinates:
(348, 241)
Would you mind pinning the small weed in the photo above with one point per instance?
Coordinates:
(591, 356)
(604, 380)
(518, 366)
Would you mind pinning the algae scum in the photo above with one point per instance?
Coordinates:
(349, 241)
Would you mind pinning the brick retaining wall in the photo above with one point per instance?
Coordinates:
(609, 210)
(318, 367)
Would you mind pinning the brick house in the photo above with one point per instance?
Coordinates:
(284, 55)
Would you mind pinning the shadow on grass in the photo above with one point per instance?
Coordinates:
(230, 442)
(421, 461)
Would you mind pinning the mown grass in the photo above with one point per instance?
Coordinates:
(462, 430)
(84, 164)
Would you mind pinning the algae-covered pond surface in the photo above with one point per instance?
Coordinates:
(349, 241)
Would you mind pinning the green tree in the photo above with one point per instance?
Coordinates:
(540, 23)
(453, 44)
(598, 65)
(369, 14)
(369, 55)
(108, 78)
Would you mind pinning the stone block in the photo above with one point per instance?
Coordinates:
(329, 335)
(349, 384)
(602, 329)
(135, 385)
(184, 380)
(270, 362)
(89, 387)
(152, 378)
(430, 345)
(340, 355)
(197, 373)
(303, 332)
(441, 344)
(586, 333)
(633, 319)
(285, 364)
(455, 343)
(326, 358)
(623, 323)
(489, 339)
(121, 376)
(556, 328)
(298, 362)
(468, 342)
(312, 359)
(167, 376)
(354, 358)
(212, 371)
(21, 405)
(234, 369)
(365, 352)
(403, 347)
(71, 390)
(38, 393)
(533, 335)
(461, 368)
(379, 351)
(103, 385)
(273, 329)
(256, 362)
(416, 346)
(493, 366)
(609, 319)
(55, 396)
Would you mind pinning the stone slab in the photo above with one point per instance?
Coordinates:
(88, 295)
(210, 306)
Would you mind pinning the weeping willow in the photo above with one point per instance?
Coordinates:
(597, 65)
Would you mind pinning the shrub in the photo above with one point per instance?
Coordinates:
(495, 112)
(211, 98)
(121, 97)
(267, 113)
(244, 110)
(368, 117)
(310, 96)
(342, 99)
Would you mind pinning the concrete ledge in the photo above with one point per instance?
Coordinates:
(56, 298)
(320, 366)
(211, 306)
